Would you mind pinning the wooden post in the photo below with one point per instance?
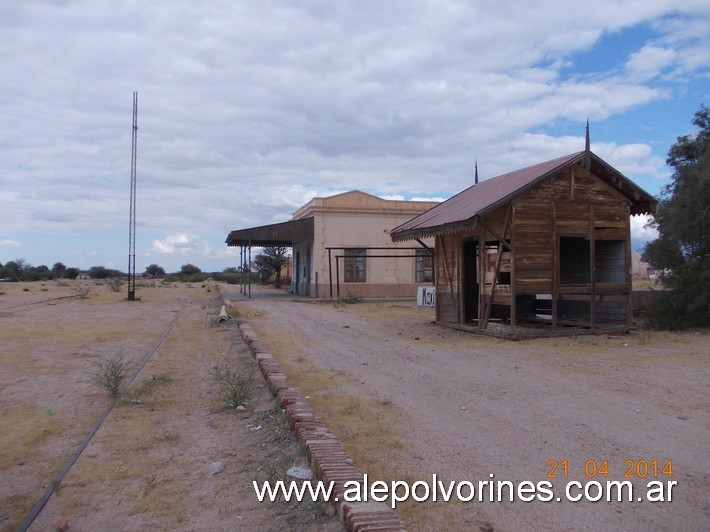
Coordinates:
(592, 270)
(555, 273)
(513, 308)
(629, 282)
(481, 274)
(499, 257)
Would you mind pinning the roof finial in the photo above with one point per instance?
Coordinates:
(587, 164)
(475, 177)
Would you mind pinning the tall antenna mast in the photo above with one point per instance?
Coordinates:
(132, 216)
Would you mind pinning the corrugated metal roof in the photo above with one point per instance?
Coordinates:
(457, 213)
(281, 234)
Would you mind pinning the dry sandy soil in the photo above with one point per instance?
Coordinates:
(465, 407)
(148, 466)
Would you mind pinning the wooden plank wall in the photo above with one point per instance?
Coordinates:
(532, 240)
(572, 204)
(561, 206)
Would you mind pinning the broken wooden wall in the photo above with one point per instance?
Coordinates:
(563, 214)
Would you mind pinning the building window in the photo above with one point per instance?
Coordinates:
(355, 265)
(424, 266)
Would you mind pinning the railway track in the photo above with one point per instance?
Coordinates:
(51, 487)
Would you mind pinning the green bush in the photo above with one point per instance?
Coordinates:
(233, 382)
(109, 374)
(687, 304)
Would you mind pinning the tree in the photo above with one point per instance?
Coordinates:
(7, 274)
(189, 269)
(13, 270)
(154, 270)
(22, 264)
(71, 273)
(270, 261)
(99, 272)
(682, 249)
(37, 273)
(58, 270)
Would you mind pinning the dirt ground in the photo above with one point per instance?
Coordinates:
(148, 466)
(472, 408)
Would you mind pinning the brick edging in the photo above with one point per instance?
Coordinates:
(326, 457)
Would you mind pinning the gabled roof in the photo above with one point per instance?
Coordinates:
(488, 195)
(362, 203)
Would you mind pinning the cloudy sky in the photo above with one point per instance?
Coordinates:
(249, 109)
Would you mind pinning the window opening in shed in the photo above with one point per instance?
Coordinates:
(610, 261)
(574, 260)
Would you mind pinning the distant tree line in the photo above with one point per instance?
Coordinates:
(20, 270)
(263, 268)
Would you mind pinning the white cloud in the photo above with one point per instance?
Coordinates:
(9, 243)
(639, 231)
(182, 244)
(230, 252)
(649, 62)
(630, 159)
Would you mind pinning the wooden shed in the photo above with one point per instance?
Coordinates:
(544, 249)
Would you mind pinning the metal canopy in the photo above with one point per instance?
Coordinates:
(281, 234)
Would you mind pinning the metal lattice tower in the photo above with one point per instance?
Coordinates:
(132, 216)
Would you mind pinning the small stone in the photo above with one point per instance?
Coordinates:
(216, 468)
(300, 472)
(241, 408)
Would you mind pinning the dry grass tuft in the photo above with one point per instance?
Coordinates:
(234, 381)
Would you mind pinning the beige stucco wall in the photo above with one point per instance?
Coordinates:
(359, 220)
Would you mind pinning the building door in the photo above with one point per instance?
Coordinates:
(470, 281)
(297, 274)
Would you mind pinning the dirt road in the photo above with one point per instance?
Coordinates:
(478, 409)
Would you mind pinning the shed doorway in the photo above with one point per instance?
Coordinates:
(470, 281)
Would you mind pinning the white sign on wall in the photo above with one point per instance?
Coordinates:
(426, 296)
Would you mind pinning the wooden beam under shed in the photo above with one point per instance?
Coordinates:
(488, 298)
(494, 233)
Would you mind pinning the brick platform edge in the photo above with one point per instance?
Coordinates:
(327, 459)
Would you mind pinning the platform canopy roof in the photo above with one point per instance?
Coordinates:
(280, 234)
(482, 198)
